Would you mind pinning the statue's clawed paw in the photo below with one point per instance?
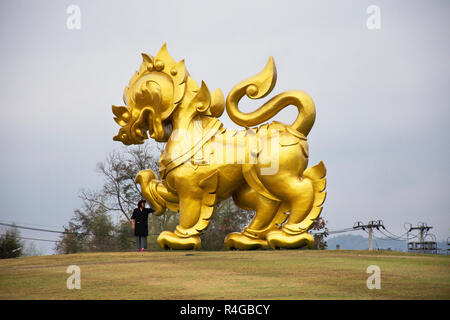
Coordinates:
(147, 179)
(238, 241)
(169, 240)
(279, 239)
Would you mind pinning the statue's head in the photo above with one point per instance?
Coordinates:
(153, 94)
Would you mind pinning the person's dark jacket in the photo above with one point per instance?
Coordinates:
(141, 221)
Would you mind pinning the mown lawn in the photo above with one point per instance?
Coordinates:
(281, 274)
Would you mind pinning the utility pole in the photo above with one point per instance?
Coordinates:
(421, 245)
(370, 239)
(369, 226)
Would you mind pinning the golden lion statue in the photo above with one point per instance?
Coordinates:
(263, 168)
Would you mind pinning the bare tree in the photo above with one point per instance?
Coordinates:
(120, 193)
(91, 228)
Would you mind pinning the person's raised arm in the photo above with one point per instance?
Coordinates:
(150, 209)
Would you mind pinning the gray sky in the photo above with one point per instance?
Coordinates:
(382, 96)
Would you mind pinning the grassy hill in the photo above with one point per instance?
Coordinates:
(282, 274)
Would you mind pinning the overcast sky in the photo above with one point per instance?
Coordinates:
(382, 96)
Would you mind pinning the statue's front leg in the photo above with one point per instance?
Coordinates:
(185, 236)
(188, 204)
(156, 193)
(197, 199)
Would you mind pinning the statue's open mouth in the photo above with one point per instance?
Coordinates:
(134, 130)
(147, 124)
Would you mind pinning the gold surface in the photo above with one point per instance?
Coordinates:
(263, 168)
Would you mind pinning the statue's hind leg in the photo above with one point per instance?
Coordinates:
(304, 198)
(253, 236)
(299, 195)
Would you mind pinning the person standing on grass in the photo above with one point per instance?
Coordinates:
(139, 221)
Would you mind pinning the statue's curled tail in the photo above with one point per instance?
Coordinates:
(260, 86)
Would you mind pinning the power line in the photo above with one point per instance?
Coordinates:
(36, 229)
(341, 231)
(334, 231)
(28, 224)
(395, 236)
(25, 238)
(53, 231)
(389, 237)
(398, 238)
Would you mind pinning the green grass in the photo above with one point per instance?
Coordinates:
(281, 274)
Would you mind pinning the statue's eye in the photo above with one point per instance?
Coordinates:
(126, 116)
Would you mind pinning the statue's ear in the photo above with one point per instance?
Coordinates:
(122, 116)
(202, 99)
(217, 103)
